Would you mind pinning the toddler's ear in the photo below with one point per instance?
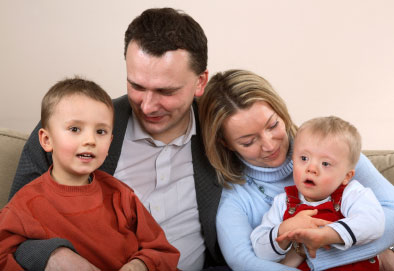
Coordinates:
(348, 177)
(45, 140)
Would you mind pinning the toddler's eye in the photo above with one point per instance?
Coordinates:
(304, 158)
(101, 132)
(325, 164)
(74, 129)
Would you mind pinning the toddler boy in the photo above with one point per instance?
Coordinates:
(326, 151)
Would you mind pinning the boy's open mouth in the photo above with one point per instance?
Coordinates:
(309, 182)
(85, 155)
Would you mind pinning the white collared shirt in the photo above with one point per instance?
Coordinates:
(162, 177)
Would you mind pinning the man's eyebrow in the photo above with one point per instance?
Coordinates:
(134, 84)
(158, 89)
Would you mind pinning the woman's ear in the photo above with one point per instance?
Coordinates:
(45, 140)
(348, 177)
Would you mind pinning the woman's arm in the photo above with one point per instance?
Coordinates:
(370, 177)
(234, 229)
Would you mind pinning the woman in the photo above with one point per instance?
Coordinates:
(248, 134)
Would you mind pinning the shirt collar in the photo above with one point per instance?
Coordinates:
(135, 132)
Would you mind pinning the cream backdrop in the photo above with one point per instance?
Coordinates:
(323, 57)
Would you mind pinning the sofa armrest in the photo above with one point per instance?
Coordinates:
(383, 160)
(11, 145)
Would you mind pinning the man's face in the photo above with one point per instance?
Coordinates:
(161, 90)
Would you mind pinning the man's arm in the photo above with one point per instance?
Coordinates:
(34, 161)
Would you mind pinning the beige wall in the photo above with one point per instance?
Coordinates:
(323, 57)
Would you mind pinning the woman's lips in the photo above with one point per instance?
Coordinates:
(274, 155)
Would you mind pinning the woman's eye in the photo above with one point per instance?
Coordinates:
(74, 129)
(247, 144)
(274, 125)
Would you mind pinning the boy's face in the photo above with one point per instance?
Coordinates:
(321, 165)
(79, 135)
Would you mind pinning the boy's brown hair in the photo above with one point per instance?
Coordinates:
(69, 87)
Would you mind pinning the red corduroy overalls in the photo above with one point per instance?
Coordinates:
(330, 211)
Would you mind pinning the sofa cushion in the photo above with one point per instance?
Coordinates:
(11, 145)
(384, 161)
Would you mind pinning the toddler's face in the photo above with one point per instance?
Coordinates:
(79, 136)
(321, 165)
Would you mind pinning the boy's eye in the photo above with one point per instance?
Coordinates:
(74, 129)
(325, 164)
(101, 132)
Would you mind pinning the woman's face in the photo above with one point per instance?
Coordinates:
(258, 134)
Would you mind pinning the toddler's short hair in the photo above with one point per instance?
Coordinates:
(335, 126)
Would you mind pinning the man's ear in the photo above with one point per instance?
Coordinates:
(348, 177)
(201, 84)
(45, 140)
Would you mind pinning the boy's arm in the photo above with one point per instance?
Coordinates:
(34, 161)
(364, 217)
(155, 251)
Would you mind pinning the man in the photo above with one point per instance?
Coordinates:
(157, 147)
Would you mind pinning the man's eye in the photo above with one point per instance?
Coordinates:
(74, 129)
(101, 132)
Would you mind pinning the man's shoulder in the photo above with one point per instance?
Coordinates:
(121, 101)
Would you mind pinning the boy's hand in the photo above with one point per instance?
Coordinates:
(65, 259)
(313, 239)
(302, 220)
(134, 265)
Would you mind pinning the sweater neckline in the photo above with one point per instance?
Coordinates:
(270, 174)
(70, 190)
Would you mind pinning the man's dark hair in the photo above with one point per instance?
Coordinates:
(159, 30)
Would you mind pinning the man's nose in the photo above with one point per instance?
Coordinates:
(149, 102)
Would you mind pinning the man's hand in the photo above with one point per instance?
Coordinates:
(313, 239)
(64, 259)
(134, 265)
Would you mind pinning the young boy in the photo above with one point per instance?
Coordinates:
(101, 216)
(326, 151)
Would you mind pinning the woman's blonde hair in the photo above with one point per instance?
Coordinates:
(225, 94)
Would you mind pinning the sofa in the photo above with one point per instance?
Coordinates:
(12, 142)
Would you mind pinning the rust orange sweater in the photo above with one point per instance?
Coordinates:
(104, 220)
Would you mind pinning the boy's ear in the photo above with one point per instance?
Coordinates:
(45, 140)
(348, 177)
